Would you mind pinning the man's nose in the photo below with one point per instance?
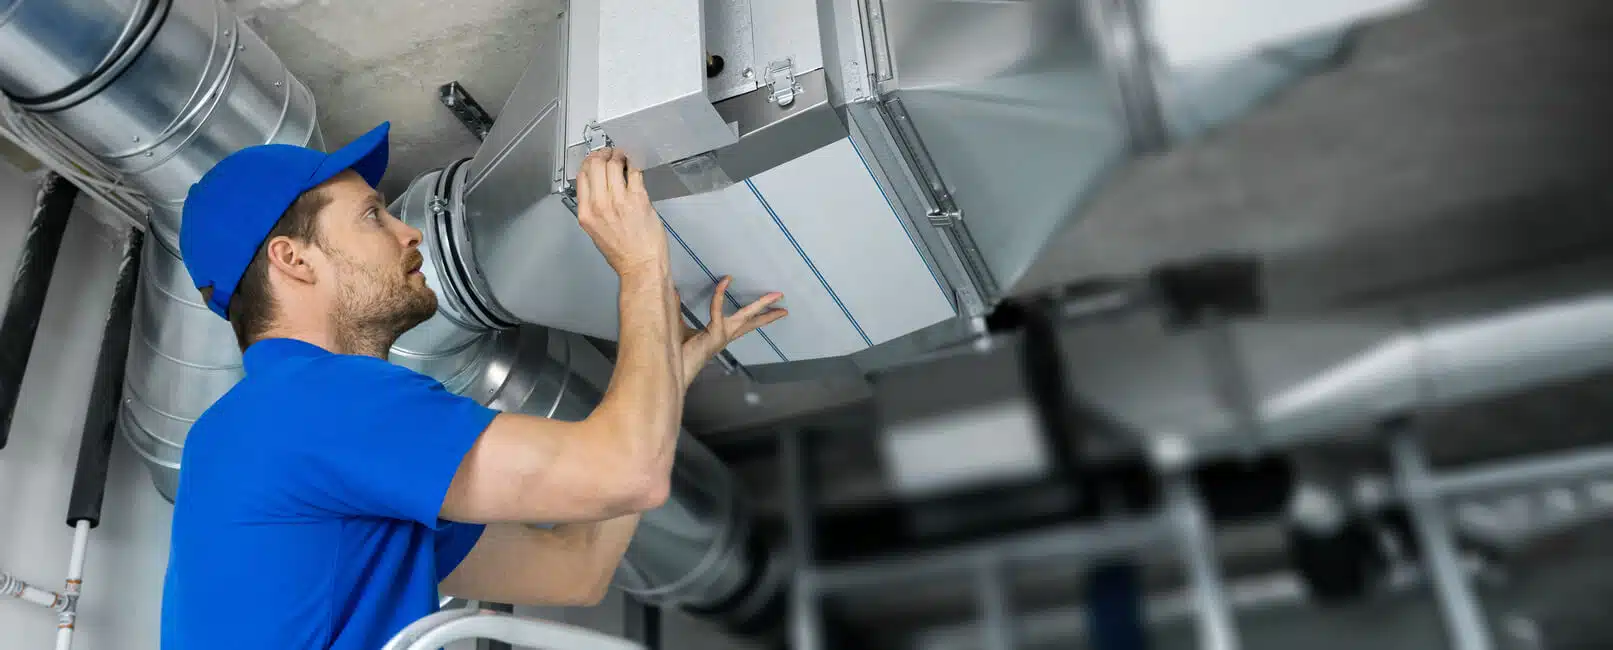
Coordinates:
(411, 235)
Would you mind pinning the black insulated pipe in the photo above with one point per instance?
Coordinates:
(1041, 355)
(52, 206)
(106, 394)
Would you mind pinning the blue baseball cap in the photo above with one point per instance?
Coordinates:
(230, 211)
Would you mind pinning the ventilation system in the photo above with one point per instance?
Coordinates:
(160, 90)
(890, 165)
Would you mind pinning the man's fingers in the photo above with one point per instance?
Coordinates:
(635, 180)
(717, 297)
(594, 173)
(767, 318)
(751, 310)
(616, 173)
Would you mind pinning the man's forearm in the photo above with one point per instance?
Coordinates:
(644, 402)
(605, 541)
(568, 564)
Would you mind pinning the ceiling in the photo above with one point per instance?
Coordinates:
(369, 62)
(1467, 138)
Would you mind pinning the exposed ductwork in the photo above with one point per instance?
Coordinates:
(891, 120)
(861, 102)
(185, 84)
(160, 90)
(1309, 376)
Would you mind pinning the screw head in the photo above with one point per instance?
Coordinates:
(1170, 452)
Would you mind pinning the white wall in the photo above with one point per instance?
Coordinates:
(129, 551)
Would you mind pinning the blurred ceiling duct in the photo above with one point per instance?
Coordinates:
(160, 90)
(888, 164)
(1285, 380)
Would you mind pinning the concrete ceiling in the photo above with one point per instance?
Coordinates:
(369, 62)
(1469, 137)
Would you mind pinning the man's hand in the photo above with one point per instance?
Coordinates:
(615, 211)
(699, 346)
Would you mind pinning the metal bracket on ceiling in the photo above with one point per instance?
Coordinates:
(780, 77)
(464, 107)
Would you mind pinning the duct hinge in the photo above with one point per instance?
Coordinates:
(437, 205)
(780, 76)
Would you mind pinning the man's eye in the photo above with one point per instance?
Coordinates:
(372, 214)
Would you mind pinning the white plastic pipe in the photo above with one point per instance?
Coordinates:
(445, 627)
(11, 586)
(75, 581)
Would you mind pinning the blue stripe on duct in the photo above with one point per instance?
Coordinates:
(808, 260)
(837, 218)
(712, 277)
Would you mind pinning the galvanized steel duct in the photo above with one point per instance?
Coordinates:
(1318, 375)
(163, 89)
(159, 90)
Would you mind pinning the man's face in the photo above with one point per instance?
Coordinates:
(377, 258)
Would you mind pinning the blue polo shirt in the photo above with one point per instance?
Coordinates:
(307, 512)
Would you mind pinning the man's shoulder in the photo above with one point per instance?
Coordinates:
(316, 376)
(319, 388)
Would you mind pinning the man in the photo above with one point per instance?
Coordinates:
(325, 500)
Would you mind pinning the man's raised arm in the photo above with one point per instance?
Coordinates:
(618, 460)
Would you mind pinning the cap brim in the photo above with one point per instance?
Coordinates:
(366, 155)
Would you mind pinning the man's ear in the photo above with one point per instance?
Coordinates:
(290, 257)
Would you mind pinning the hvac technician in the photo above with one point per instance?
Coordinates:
(328, 496)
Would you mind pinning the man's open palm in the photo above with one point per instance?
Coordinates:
(700, 345)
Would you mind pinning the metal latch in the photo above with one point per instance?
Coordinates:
(780, 75)
(595, 137)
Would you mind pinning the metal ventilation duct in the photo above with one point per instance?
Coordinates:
(888, 164)
(1305, 377)
(180, 85)
(159, 90)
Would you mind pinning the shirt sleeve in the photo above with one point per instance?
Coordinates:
(452, 543)
(375, 439)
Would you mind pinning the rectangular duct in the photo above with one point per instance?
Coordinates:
(787, 203)
(890, 165)
(652, 98)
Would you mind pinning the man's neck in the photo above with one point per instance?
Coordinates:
(369, 344)
(336, 340)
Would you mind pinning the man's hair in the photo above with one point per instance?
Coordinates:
(252, 308)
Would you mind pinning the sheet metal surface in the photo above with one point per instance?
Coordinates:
(819, 230)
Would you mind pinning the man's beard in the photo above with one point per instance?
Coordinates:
(378, 305)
